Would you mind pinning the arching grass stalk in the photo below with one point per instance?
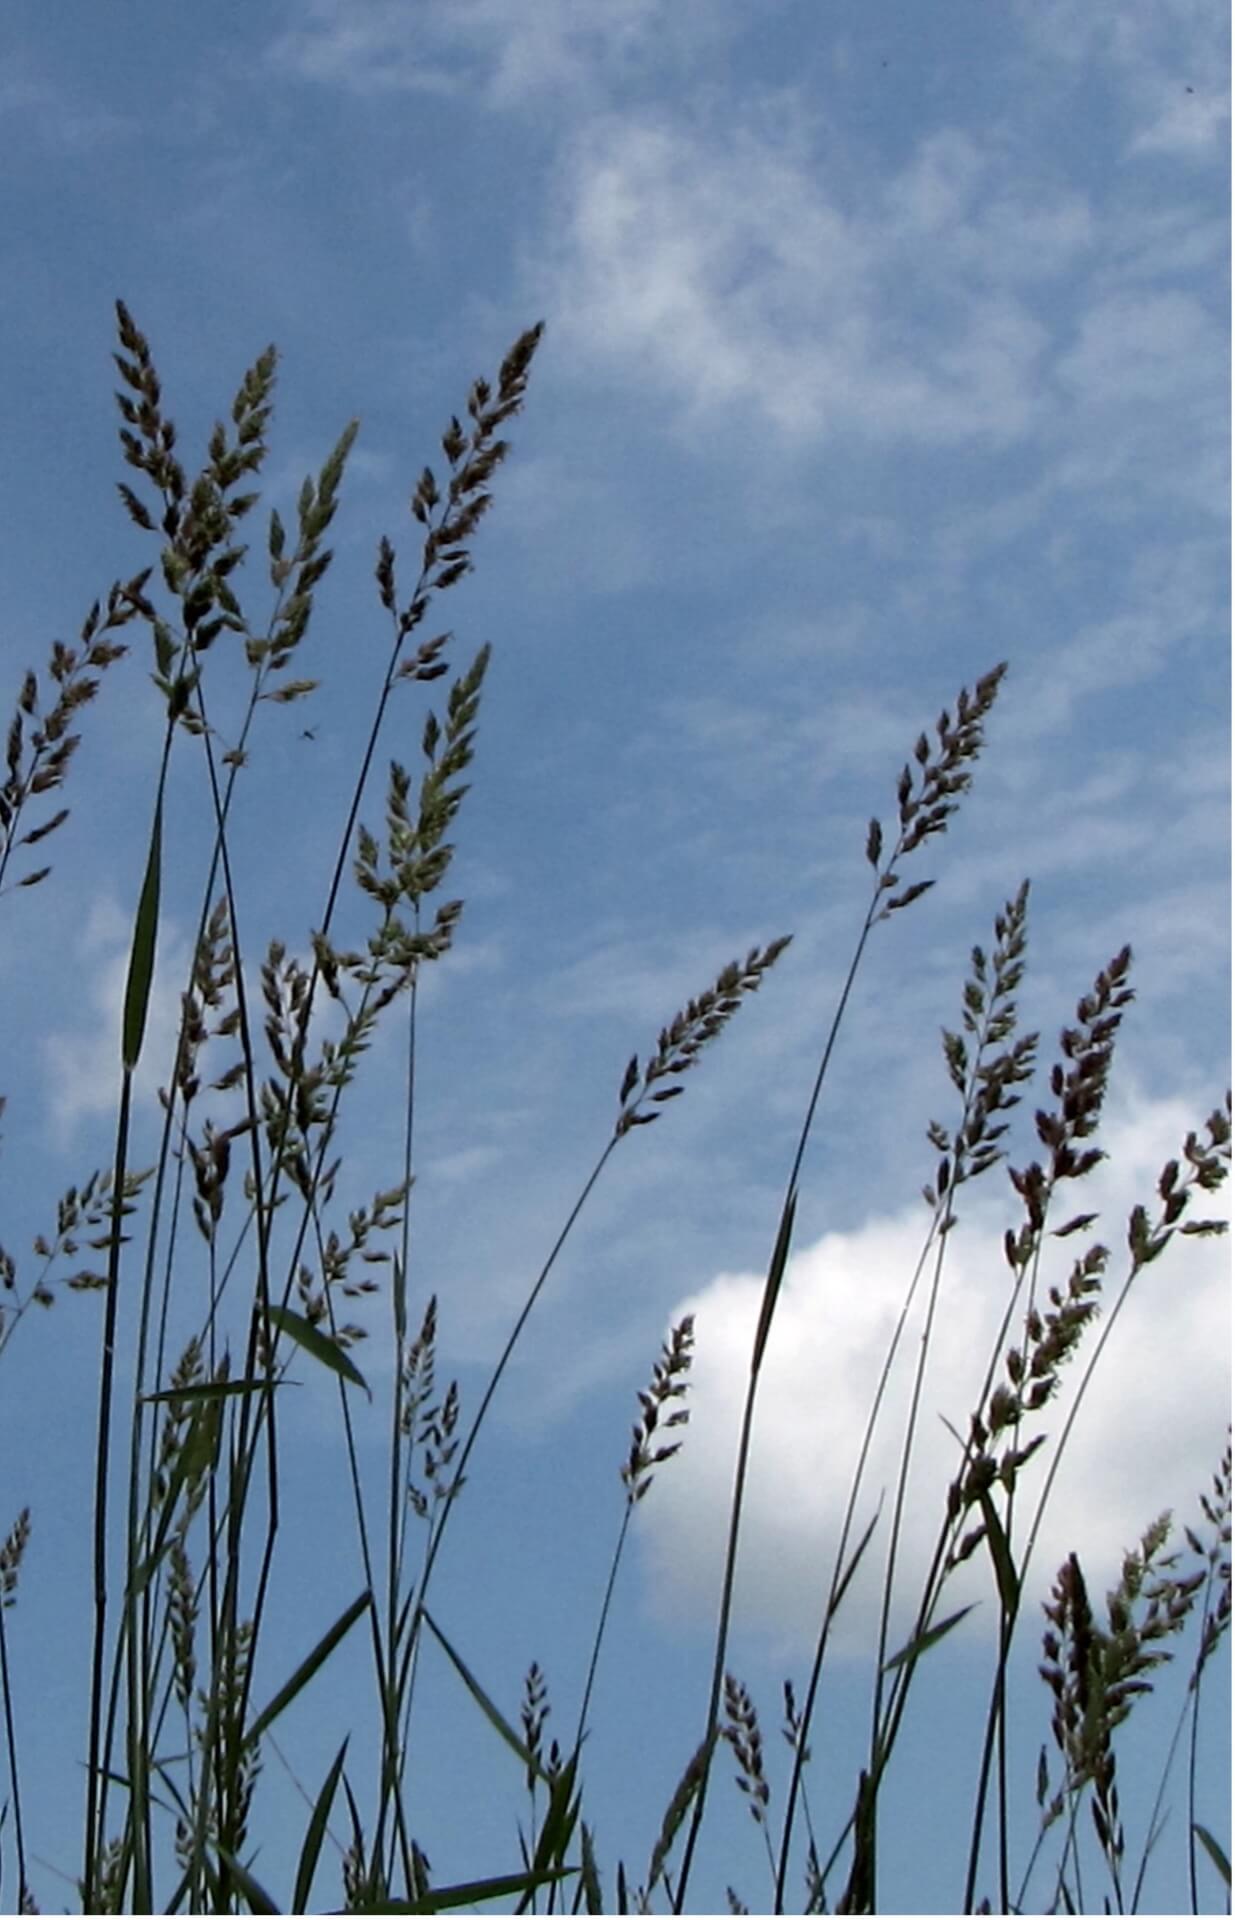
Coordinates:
(445, 561)
(450, 521)
(1209, 1166)
(1080, 1096)
(921, 815)
(10, 1561)
(198, 525)
(989, 1016)
(677, 1051)
(647, 1452)
(195, 523)
(136, 1006)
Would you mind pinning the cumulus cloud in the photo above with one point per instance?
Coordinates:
(1147, 1437)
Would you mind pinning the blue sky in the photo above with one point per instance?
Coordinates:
(882, 344)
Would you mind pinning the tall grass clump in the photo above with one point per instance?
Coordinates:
(188, 1460)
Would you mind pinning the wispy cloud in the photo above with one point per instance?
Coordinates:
(504, 51)
(717, 260)
(35, 106)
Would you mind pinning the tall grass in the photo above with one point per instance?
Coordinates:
(174, 1737)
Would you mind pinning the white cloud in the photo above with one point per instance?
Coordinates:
(41, 106)
(511, 52)
(82, 1055)
(717, 263)
(1147, 1437)
(1139, 348)
(83, 1059)
(1168, 58)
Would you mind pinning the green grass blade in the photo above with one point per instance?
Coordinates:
(997, 1541)
(198, 1455)
(212, 1390)
(314, 1834)
(776, 1273)
(141, 957)
(1214, 1851)
(492, 1714)
(559, 1825)
(310, 1664)
(254, 1892)
(855, 1559)
(921, 1641)
(306, 1335)
(468, 1891)
(591, 1878)
(400, 1299)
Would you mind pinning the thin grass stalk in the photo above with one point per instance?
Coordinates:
(495, 1380)
(649, 1450)
(1215, 1623)
(985, 1093)
(601, 1624)
(306, 1013)
(136, 1644)
(396, 1515)
(835, 1589)
(938, 1569)
(1108, 1325)
(264, 1224)
(1145, 1244)
(136, 1000)
(939, 782)
(10, 1734)
(510, 403)
(748, 1414)
(259, 1319)
(950, 1527)
(389, 1758)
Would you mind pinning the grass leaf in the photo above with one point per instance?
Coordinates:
(141, 957)
(492, 1713)
(254, 1892)
(921, 1641)
(314, 1834)
(310, 1664)
(306, 1335)
(997, 1540)
(468, 1891)
(211, 1390)
(776, 1273)
(1214, 1851)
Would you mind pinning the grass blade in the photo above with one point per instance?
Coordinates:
(997, 1541)
(141, 957)
(921, 1641)
(211, 1390)
(254, 1892)
(314, 1834)
(306, 1335)
(492, 1714)
(776, 1273)
(591, 1878)
(1214, 1851)
(468, 1891)
(310, 1664)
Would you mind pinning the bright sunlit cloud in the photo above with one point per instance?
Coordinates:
(1158, 1403)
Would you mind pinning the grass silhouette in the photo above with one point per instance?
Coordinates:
(175, 1735)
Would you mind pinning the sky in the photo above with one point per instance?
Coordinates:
(882, 344)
